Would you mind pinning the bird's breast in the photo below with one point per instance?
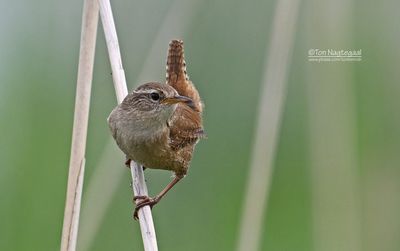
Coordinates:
(148, 146)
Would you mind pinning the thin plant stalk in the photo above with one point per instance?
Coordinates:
(278, 60)
(81, 117)
(139, 185)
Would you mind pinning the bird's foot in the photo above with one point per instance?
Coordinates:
(143, 201)
(128, 163)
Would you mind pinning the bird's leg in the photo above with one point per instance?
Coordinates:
(148, 201)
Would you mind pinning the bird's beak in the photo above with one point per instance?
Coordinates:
(178, 99)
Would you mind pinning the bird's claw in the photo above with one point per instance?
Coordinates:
(143, 201)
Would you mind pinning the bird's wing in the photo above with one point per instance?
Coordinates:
(185, 127)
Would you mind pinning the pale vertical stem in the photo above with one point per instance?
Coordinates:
(145, 218)
(114, 53)
(81, 117)
(277, 63)
(77, 207)
(332, 130)
(139, 185)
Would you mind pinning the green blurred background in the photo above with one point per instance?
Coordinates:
(336, 179)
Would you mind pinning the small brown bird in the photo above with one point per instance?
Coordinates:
(158, 125)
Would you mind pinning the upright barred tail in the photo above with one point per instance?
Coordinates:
(177, 76)
(176, 65)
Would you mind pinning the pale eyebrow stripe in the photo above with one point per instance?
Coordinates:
(145, 91)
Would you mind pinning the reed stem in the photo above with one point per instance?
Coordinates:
(81, 117)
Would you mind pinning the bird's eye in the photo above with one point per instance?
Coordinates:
(155, 96)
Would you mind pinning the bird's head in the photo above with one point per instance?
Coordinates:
(155, 100)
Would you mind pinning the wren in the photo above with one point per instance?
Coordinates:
(158, 125)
